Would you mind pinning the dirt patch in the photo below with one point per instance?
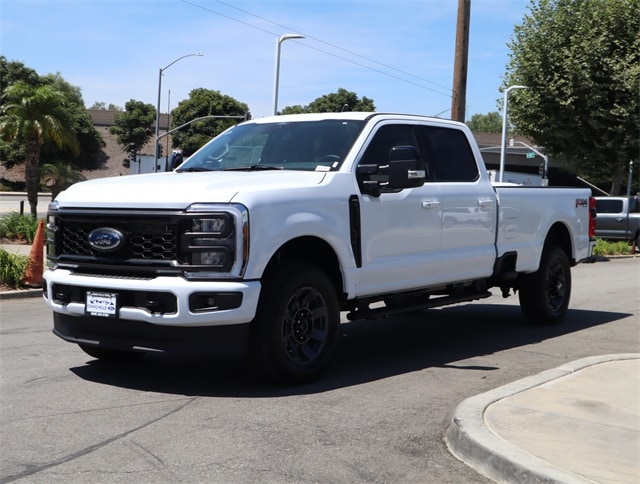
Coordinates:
(6, 241)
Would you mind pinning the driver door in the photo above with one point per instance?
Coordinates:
(401, 230)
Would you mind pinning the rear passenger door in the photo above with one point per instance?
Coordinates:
(611, 218)
(468, 204)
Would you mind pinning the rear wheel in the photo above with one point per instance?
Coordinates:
(544, 295)
(297, 323)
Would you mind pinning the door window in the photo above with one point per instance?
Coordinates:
(448, 155)
(608, 206)
(377, 153)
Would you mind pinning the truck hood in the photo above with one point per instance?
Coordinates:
(176, 191)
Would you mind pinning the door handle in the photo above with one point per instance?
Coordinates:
(430, 203)
(485, 202)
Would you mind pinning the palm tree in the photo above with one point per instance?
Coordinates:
(59, 177)
(35, 115)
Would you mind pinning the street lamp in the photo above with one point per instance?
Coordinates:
(545, 170)
(156, 153)
(503, 149)
(276, 77)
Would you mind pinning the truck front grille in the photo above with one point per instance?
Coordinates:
(145, 239)
(149, 239)
(200, 242)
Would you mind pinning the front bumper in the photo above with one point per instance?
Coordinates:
(138, 336)
(65, 293)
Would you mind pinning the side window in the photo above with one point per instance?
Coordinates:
(634, 205)
(605, 205)
(388, 136)
(448, 155)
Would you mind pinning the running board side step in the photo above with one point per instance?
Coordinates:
(369, 313)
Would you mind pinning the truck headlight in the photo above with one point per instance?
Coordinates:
(51, 235)
(215, 241)
(218, 225)
(218, 258)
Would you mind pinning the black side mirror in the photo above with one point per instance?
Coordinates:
(368, 186)
(406, 168)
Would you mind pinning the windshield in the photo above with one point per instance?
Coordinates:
(296, 145)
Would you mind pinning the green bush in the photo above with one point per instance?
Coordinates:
(12, 268)
(606, 247)
(21, 227)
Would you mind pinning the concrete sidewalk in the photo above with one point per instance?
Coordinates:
(21, 249)
(578, 423)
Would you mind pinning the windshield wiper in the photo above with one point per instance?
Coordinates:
(254, 168)
(193, 168)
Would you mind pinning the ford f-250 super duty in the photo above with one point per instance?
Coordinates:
(618, 218)
(268, 232)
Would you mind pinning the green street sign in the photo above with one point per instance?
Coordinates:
(531, 154)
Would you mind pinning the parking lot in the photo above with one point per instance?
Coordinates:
(378, 415)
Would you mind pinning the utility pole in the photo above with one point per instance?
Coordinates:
(459, 98)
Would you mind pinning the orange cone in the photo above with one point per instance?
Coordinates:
(33, 274)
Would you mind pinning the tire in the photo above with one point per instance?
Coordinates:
(296, 327)
(544, 295)
(111, 355)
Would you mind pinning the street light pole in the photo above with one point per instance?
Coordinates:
(276, 77)
(157, 137)
(503, 150)
(545, 158)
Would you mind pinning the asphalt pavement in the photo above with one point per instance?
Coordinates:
(577, 423)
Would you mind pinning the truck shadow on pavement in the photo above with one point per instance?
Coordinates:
(367, 351)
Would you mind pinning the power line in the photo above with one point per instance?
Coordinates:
(379, 71)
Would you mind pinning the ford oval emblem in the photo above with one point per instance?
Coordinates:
(106, 239)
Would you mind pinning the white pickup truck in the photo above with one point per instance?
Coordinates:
(262, 237)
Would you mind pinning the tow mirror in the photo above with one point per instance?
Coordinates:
(406, 168)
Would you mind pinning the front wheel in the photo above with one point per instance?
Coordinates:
(296, 327)
(544, 295)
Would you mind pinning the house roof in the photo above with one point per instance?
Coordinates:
(104, 117)
(113, 153)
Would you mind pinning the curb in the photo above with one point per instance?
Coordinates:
(20, 293)
(471, 441)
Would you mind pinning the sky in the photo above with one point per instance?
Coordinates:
(398, 53)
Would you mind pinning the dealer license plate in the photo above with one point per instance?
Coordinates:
(103, 304)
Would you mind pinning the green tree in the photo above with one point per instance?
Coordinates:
(99, 105)
(295, 109)
(134, 126)
(485, 123)
(35, 115)
(11, 72)
(12, 152)
(580, 60)
(336, 102)
(204, 102)
(90, 143)
(59, 176)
